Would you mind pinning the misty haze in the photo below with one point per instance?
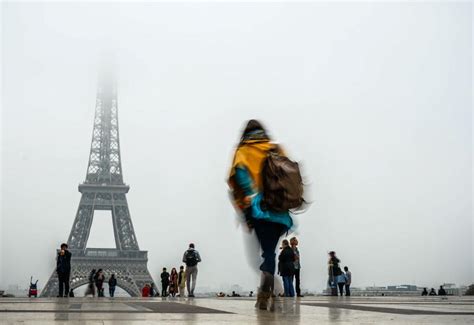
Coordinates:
(373, 100)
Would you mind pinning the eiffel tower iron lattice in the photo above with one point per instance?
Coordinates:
(104, 189)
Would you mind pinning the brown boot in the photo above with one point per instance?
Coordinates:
(272, 303)
(265, 290)
(262, 300)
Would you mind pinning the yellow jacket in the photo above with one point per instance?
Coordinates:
(250, 155)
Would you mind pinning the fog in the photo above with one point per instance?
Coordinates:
(374, 100)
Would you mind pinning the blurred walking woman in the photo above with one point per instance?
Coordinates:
(246, 183)
(99, 279)
(91, 285)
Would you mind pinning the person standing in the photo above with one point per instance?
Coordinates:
(441, 291)
(286, 268)
(99, 282)
(191, 257)
(335, 274)
(63, 269)
(112, 285)
(181, 281)
(341, 282)
(173, 282)
(294, 245)
(165, 282)
(348, 276)
(255, 198)
(152, 290)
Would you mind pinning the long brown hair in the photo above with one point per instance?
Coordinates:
(252, 127)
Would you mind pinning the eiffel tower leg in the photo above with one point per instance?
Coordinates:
(51, 289)
(123, 227)
(82, 224)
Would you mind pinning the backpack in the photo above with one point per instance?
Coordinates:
(191, 258)
(282, 183)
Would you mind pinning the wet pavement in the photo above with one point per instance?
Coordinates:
(307, 310)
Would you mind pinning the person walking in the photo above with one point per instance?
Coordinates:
(335, 275)
(173, 282)
(181, 281)
(286, 268)
(91, 286)
(294, 245)
(191, 257)
(165, 281)
(263, 209)
(63, 269)
(348, 278)
(112, 285)
(99, 282)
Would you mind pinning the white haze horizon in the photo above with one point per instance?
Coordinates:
(374, 100)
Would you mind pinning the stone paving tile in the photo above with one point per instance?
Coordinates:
(310, 310)
(391, 310)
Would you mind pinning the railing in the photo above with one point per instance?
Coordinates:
(110, 252)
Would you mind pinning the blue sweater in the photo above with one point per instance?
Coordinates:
(243, 179)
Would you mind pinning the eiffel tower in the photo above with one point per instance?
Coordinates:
(104, 189)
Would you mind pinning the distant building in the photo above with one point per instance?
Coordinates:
(452, 290)
(403, 287)
(393, 290)
(448, 285)
(401, 290)
(16, 290)
(13, 287)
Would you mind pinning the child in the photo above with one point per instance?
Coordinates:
(181, 281)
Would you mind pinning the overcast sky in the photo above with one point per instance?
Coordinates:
(375, 100)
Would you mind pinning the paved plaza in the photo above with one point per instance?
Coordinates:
(307, 310)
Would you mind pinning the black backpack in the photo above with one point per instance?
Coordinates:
(191, 258)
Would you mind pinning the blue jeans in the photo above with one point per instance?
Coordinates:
(268, 235)
(288, 286)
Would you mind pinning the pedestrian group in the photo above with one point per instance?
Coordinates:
(266, 188)
(172, 284)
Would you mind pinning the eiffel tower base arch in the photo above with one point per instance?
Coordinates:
(130, 269)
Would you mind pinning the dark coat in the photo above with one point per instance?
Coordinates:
(99, 279)
(334, 270)
(112, 282)
(63, 262)
(165, 278)
(286, 262)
